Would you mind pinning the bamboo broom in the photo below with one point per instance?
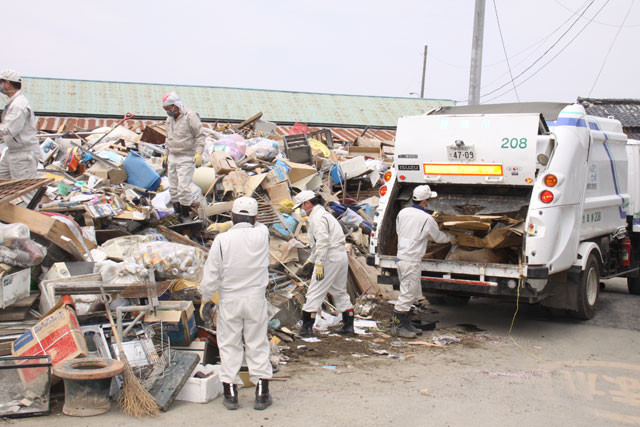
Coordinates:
(134, 399)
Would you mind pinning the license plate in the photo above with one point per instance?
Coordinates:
(463, 153)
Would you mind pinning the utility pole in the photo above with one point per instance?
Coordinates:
(476, 53)
(424, 71)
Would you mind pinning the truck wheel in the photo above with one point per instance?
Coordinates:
(588, 289)
(456, 301)
(633, 283)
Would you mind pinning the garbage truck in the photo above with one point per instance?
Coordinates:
(544, 201)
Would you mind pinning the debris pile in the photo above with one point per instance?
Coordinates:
(99, 236)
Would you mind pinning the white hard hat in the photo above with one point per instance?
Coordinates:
(302, 197)
(10, 75)
(423, 192)
(245, 206)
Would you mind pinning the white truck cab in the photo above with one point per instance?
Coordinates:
(570, 178)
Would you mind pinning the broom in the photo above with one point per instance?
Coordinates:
(134, 399)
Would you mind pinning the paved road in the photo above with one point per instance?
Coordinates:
(556, 372)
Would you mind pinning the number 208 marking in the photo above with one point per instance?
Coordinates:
(514, 143)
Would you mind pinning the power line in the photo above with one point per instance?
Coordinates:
(610, 47)
(504, 49)
(546, 51)
(541, 56)
(556, 55)
(597, 22)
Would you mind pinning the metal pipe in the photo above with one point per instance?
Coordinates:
(128, 309)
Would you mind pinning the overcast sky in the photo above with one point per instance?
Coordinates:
(346, 47)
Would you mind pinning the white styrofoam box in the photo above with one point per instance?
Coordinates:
(354, 167)
(202, 390)
(15, 287)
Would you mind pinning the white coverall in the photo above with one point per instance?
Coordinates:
(185, 138)
(237, 267)
(327, 248)
(414, 227)
(18, 131)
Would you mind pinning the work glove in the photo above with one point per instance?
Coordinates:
(197, 159)
(435, 214)
(319, 272)
(165, 159)
(454, 240)
(306, 270)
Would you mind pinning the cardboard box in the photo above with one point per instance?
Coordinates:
(15, 286)
(275, 176)
(279, 192)
(375, 152)
(178, 319)
(297, 171)
(57, 335)
(368, 142)
(202, 390)
(222, 162)
(115, 176)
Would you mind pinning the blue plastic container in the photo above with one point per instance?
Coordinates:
(337, 177)
(139, 173)
(291, 222)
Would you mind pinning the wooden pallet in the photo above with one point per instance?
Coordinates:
(11, 189)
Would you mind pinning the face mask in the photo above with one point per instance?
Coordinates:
(171, 113)
(3, 90)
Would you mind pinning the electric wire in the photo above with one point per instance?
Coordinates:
(554, 57)
(504, 49)
(597, 22)
(546, 51)
(610, 47)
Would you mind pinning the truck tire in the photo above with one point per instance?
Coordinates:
(456, 301)
(588, 289)
(633, 283)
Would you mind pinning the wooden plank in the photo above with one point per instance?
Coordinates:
(11, 189)
(172, 236)
(365, 276)
(165, 390)
(53, 230)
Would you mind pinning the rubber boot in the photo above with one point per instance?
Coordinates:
(263, 398)
(399, 326)
(176, 208)
(410, 326)
(347, 324)
(230, 400)
(308, 319)
(184, 213)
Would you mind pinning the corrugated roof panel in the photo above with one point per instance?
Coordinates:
(100, 98)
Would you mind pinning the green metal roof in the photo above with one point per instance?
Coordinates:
(101, 98)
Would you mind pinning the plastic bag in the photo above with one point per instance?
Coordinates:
(233, 144)
(22, 253)
(16, 231)
(122, 272)
(265, 149)
(172, 260)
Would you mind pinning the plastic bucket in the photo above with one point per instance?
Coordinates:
(139, 173)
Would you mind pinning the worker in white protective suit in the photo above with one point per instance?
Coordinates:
(184, 146)
(328, 264)
(414, 227)
(18, 132)
(237, 268)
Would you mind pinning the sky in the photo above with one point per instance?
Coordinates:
(557, 50)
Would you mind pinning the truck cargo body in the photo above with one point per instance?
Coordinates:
(567, 181)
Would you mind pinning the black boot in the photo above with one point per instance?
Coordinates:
(347, 323)
(230, 396)
(399, 326)
(184, 213)
(308, 319)
(263, 398)
(176, 208)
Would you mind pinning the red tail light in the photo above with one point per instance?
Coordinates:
(383, 190)
(387, 176)
(626, 252)
(546, 196)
